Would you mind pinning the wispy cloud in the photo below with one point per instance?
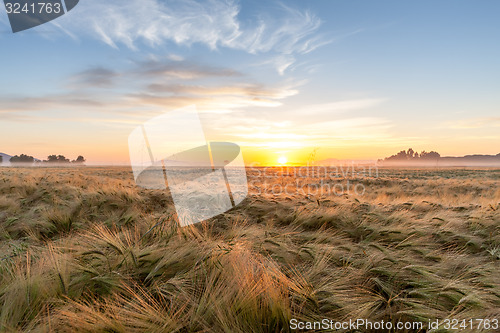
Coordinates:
(315, 125)
(281, 62)
(148, 88)
(215, 23)
(294, 135)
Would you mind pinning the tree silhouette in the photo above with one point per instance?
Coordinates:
(412, 155)
(1, 158)
(429, 155)
(22, 159)
(57, 159)
(62, 159)
(52, 159)
(79, 160)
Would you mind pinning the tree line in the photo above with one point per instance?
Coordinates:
(60, 159)
(411, 155)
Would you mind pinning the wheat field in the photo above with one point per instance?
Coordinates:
(86, 250)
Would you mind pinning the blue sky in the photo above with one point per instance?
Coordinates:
(356, 79)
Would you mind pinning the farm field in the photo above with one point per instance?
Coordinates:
(86, 250)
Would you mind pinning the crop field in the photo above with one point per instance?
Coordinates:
(86, 250)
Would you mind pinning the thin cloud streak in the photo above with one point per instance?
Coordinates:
(242, 89)
(28, 103)
(152, 85)
(184, 70)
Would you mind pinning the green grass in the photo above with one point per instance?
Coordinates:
(76, 256)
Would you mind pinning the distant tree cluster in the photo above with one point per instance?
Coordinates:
(1, 158)
(63, 160)
(50, 159)
(411, 155)
(56, 159)
(22, 159)
(79, 159)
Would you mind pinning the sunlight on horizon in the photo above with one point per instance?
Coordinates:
(282, 160)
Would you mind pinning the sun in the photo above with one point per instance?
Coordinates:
(282, 160)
